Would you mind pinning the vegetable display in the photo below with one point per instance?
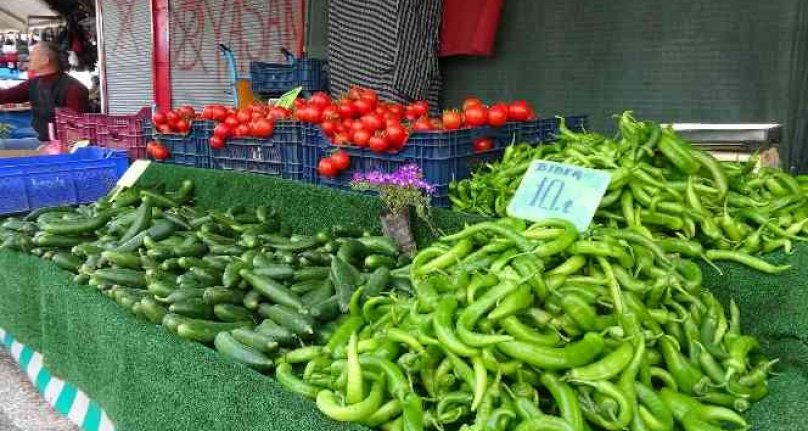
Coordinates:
(230, 279)
(665, 189)
(531, 328)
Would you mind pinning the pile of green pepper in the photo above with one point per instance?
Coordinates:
(538, 328)
(664, 188)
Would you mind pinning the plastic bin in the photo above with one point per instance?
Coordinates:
(192, 149)
(281, 154)
(121, 132)
(443, 157)
(539, 130)
(28, 183)
(274, 79)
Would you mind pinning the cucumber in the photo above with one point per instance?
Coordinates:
(283, 336)
(220, 295)
(273, 290)
(252, 299)
(43, 239)
(228, 346)
(301, 325)
(190, 262)
(191, 249)
(232, 313)
(226, 250)
(161, 288)
(261, 260)
(122, 259)
(346, 231)
(282, 244)
(161, 229)
(303, 287)
(231, 276)
(127, 297)
(141, 222)
(312, 273)
(81, 279)
(218, 263)
(344, 281)
(67, 261)
(321, 293)
(152, 310)
(209, 277)
(172, 321)
(376, 282)
(277, 271)
(35, 214)
(79, 227)
(191, 281)
(123, 277)
(160, 253)
(171, 264)
(205, 331)
(180, 295)
(327, 309)
(376, 261)
(380, 245)
(192, 307)
(352, 251)
(256, 340)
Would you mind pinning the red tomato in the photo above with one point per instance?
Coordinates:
(216, 142)
(183, 126)
(355, 93)
(329, 127)
(340, 139)
(421, 108)
(172, 117)
(423, 124)
(244, 116)
(331, 112)
(371, 98)
(472, 101)
(326, 167)
(242, 130)
(299, 103)
(341, 160)
(218, 113)
(164, 128)
(310, 114)
(278, 113)
(452, 120)
(157, 150)
(360, 138)
(222, 131)
(347, 110)
(362, 107)
(378, 144)
(498, 116)
(207, 113)
(357, 125)
(159, 118)
(372, 122)
(257, 107)
(411, 113)
(476, 116)
(482, 144)
(519, 111)
(262, 128)
(395, 135)
(320, 100)
(256, 115)
(232, 121)
(186, 111)
(396, 109)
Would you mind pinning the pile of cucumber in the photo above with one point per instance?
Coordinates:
(233, 279)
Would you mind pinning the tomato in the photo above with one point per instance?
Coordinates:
(341, 160)
(372, 122)
(395, 135)
(423, 124)
(472, 101)
(164, 128)
(331, 112)
(347, 109)
(222, 131)
(519, 111)
(340, 139)
(356, 126)
(186, 111)
(476, 116)
(355, 93)
(299, 103)
(216, 142)
(360, 138)
(411, 113)
(498, 116)
(278, 113)
(232, 121)
(362, 107)
(329, 127)
(482, 144)
(378, 144)
(320, 100)
(421, 108)
(172, 117)
(157, 150)
(371, 98)
(183, 126)
(244, 115)
(159, 118)
(262, 128)
(452, 120)
(242, 130)
(218, 113)
(310, 114)
(326, 167)
(396, 109)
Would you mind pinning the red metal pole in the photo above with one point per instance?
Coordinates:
(161, 54)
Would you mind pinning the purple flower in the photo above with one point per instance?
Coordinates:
(407, 176)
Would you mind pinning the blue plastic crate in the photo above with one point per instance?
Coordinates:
(274, 79)
(443, 157)
(28, 183)
(539, 130)
(281, 154)
(191, 149)
(549, 126)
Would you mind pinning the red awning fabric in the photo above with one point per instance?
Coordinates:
(469, 27)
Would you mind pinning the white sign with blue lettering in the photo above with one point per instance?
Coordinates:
(559, 190)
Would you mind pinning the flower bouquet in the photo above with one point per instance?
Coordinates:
(399, 191)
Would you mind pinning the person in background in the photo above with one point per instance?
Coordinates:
(50, 88)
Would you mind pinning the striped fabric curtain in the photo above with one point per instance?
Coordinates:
(390, 46)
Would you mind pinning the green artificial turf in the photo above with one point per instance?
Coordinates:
(147, 379)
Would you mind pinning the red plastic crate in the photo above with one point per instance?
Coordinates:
(120, 132)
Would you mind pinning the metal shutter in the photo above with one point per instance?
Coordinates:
(255, 30)
(126, 30)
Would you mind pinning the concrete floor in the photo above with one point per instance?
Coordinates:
(21, 406)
